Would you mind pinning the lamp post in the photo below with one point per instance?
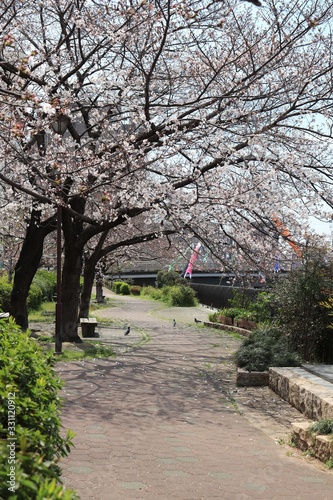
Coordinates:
(59, 126)
(58, 318)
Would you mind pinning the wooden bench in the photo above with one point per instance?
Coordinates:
(88, 327)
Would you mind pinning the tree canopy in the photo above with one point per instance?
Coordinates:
(207, 118)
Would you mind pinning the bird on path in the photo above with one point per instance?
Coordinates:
(197, 320)
(174, 322)
(127, 330)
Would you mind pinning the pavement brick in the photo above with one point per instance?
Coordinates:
(165, 421)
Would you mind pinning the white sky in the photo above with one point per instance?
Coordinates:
(320, 226)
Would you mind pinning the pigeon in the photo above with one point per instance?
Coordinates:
(174, 322)
(197, 320)
(127, 330)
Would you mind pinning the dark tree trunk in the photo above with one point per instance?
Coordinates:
(99, 290)
(90, 264)
(71, 293)
(27, 265)
(88, 282)
(72, 268)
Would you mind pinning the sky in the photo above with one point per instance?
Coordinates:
(321, 227)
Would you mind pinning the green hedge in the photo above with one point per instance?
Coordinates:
(174, 296)
(47, 282)
(42, 290)
(125, 289)
(122, 287)
(30, 411)
(5, 292)
(116, 285)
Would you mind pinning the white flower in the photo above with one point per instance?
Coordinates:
(48, 108)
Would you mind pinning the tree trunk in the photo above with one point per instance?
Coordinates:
(90, 264)
(88, 282)
(71, 273)
(99, 290)
(71, 293)
(27, 265)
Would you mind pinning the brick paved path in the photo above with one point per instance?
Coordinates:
(160, 422)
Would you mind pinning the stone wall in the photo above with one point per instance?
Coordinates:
(313, 400)
(305, 440)
(231, 328)
(251, 379)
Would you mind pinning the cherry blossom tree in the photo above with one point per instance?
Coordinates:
(206, 118)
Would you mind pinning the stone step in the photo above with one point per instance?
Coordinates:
(306, 391)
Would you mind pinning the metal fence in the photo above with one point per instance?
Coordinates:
(217, 296)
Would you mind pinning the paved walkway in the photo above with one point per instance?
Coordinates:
(165, 421)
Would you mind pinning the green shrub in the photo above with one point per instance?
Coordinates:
(35, 297)
(182, 296)
(116, 286)
(298, 298)
(47, 282)
(261, 307)
(156, 293)
(240, 299)
(29, 388)
(238, 313)
(178, 296)
(125, 289)
(152, 292)
(121, 287)
(5, 292)
(213, 317)
(146, 291)
(164, 294)
(263, 348)
(42, 289)
(169, 278)
(323, 426)
(234, 313)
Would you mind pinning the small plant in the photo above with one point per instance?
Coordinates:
(213, 317)
(329, 463)
(323, 426)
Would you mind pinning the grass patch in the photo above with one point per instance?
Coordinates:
(145, 338)
(80, 351)
(45, 314)
(323, 426)
(109, 321)
(94, 306)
